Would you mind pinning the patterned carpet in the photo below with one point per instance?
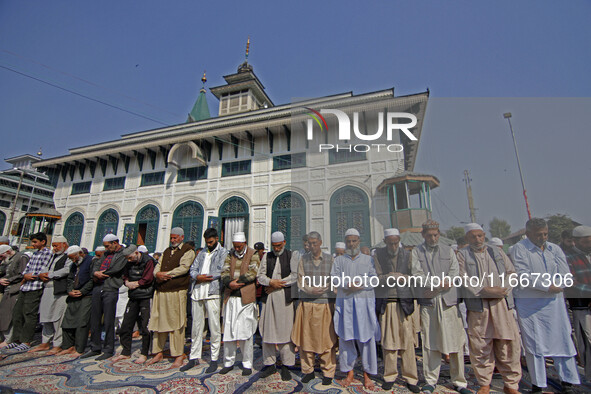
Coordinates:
(37, 373)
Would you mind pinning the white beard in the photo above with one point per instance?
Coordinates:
(353, 252)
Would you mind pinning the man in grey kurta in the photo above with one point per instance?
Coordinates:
(541, 310)
(53, 300)
(442, 330)
(277, 276)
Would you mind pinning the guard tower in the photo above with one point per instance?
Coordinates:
(409, 199)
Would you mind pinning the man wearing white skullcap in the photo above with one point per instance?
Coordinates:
(396, 306)
(4, 240)
(339, 249)
(498, 242)
(53, 302)
(168, 317)
(277, 276)
(76, 323)
(541, 308)
(579, 295)
(442, 330)
(240, 315)
(492, 329)
(14, 263)
(142, 249)
(107, 274)
(355, 318)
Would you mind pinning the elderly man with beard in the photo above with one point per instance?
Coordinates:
(15, 263)
(541, 310)
(107, 274)
(139, 279)
(277, 276)
(579, 295)
(396, 306)
(75, 325)
(492, 328)
(205, 299)
(313, 329)
(442, 330)
(355, 318)
(169, 307)
(53, 301)
(240, 315)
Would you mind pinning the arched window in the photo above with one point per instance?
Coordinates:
(289, 217)
(234, 217)
(73, 228)
(189, 217)
(349, 208)
(147, 220)
(106, 224)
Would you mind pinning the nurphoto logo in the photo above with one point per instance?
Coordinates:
(390, 119)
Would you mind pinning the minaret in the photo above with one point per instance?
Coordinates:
(200, 110)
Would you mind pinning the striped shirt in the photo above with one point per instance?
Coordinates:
(38, 263)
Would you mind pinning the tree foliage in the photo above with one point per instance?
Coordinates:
(499, 228)
(454, 232)
(557, 224)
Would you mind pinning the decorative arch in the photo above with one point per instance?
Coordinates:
(106, 224)
(147, 220)
(73, 228)
(189, 216)
(349, 208)
(233, 213)
(289, 217)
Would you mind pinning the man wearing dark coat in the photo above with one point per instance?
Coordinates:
(75, 325)
(14, 263)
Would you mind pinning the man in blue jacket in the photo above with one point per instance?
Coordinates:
(205, 296)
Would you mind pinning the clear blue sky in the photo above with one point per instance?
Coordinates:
(147, 57)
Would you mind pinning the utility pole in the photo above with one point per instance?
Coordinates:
(470, 198)
(18, 190)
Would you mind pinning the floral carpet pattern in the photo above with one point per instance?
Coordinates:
(38, 373)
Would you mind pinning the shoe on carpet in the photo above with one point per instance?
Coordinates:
(307, 377)
(104, 356)
(90, 353)
(567, 388)
(536, 389)
(387, 386)
(285, 374)
(267, 371)
(326, 381)
(189, 365)
(463, 390)
(23, 347)
(213, 366)
(246, 371)
(413, 388)
(428, 388)
(225, 370)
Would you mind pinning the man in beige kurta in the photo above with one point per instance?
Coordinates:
(442, 330)
(168, 317)
(396, 306)
(492, 328)
(277, 276)
(313, 329)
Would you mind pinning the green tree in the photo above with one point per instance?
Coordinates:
(499, 228)
(557, 224)
(454, 232)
